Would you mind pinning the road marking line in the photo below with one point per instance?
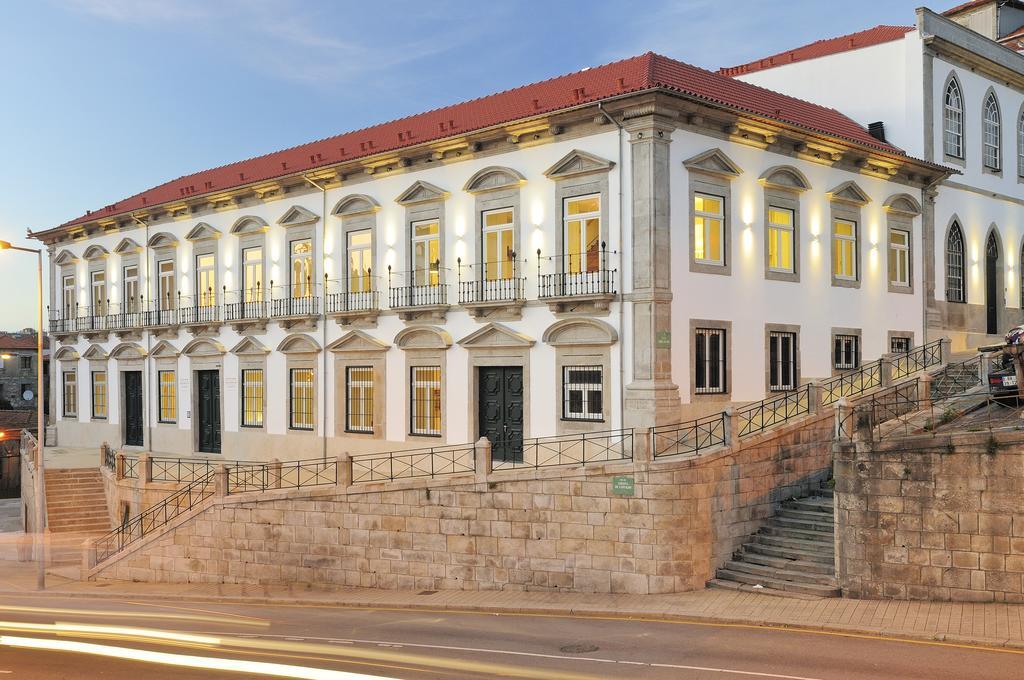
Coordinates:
(243, 617)
(727, 670)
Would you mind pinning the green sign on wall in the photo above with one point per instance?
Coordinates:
(663, 339)
(623, 486)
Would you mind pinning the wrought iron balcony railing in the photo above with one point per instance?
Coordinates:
(244, 305)
(300, 299)
(577, 274)
(358, 294)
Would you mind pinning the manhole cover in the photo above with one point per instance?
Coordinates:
(578, 649)
(426, 592)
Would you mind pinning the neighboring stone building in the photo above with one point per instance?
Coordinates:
(18, 372)
(618, 247)
(949, 89)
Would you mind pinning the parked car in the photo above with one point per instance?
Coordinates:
(1002, 375)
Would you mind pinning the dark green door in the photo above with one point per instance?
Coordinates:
(208, 406)
(133, 408)
(501, 410)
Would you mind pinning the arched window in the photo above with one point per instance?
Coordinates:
(955, 265)
(1022, 275)
(990, 133)
(1020, 144)
(954, 120)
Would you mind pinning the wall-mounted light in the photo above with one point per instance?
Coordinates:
(460, 249)
(460, 225)
(537, 213)
(748, 241)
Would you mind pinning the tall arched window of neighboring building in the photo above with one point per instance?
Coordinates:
(1020, 144)
(955, 291)
(954, 120)
(990, 132)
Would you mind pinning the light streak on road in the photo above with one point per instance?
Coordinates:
(233, 619)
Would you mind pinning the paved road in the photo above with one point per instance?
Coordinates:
(309, 641)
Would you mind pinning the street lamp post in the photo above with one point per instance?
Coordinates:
(40, 548)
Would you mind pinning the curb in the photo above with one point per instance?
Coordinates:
(1006, 644)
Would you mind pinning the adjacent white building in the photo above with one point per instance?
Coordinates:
(950, 90)
(625, 246)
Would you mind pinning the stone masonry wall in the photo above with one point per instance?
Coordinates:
(936, 518)
(549, 529)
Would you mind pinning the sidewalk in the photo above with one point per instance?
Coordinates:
(995, 625)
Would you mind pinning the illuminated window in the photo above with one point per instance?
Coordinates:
(131, 297)
(168, 394)
(955, 290)
(206, 280)
(99, 394)
(252, 274)
(708, 235)
(360, 261)
(426, 253)
(425, 397)
(69, 298)
(1020, 145)
(70, 393)
(252, 397)
(165, 269)
(302, 268)
(582, 222)
(780, 240)
(845, 352)
(953, 129)
(990, 133)
(781, 361)
(844, 250)
(899, 257)
(99, 293)
(301, 399)
(709, 361)
(498, 252)
(359, 399)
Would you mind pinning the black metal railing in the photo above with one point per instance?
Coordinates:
(851, 383)
(161, 312)
(184, 470)
(197, 309)
(295, 300)
(690, 437)
(884, 405)
(498, 281)
(127, 314)
(151, 519)
(917, 359)
(573, 449)
(957, 378)
(131, 467)
(767, 413)
(244, 305)
(576, 274)
(341, 297)
(64, 320)
(429, 462)
(92, 318)
(292, 474)
(417, 296)
(908, 415)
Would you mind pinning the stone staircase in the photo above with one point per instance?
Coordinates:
(76, 501)
(793, 555)
(955, 378)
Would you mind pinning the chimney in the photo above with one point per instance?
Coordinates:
(877, 130)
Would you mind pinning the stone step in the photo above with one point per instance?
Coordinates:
(816, 589)
(781, 574)
(824, 492)
(748, 588)
(800, 534)
(813, 504)
(817, 524)
(819, 545)
(814, 516)
(821, 556)
(802, 566)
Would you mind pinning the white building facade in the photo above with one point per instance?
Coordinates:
(620, 248)
(950, 90)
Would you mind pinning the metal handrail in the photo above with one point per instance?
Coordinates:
(853, 382)
(573, 449)
(410, 464)
(241, 305)
(295, 300)
(293, 474)
(341, 298)
(917, 359)
(767, 413)
(690, 437)
(593, 278)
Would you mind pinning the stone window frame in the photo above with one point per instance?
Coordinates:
(204, 241)
(357, 348)
(160, 371)
(128, 252)
(1019, 133)
(68, 360)
(961, 159)
(900, 212)
(424, 202)
(95, 370)
(997, 169)
(301, 352)
(357, 212)
(713, 324)
(578, 186)
(251, 232)
(65, 372)
(712, 173)
(495, 188)
(304, 232)
(909, 335)
(845, 203)
(783, 185)
(251, 355)
(794, 329)
(954, 226)
(583, 341)
(96, 258)
(496, 345)
(204, 354)
(852, 332)
(163, 247)
(424, 346)
(165, 358)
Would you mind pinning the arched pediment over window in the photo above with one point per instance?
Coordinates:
(95, 252)
(784, 177)
(203, 347)
(249, 225)
(128, 351)
(66, 353)
(849, 192)
(298, 343)
(355, 204)
(423, 337)
(580, 332)
(904, 204)
(162, 240)
(493, 178)
(495, 335)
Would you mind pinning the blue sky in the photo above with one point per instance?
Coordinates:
(105, 98)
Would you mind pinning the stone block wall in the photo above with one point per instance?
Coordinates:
(932, 518)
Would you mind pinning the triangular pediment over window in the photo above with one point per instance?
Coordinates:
(713, 161)
(95, 252)
(95, 353)
(296, 216)
(202, 232)
(162, 240)
(65, 257)
(249, 225)
(493, 178)
(249, 345)
(127, 246)
(66, 353)
(421, 192)
(849, 192)
(164, 350)
(358, 341)
(495, 335)
(355, 204)
(576, 163)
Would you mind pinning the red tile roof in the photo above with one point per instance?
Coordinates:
(12, 422)
(823, 48)
(20, 341)
(965, 6)
(645, 72)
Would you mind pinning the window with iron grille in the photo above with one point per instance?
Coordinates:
(167, 385)
(359, 399)
(70, 393)
(709, 359)
(781, 361)
(252, 397)
(300, 403)
(583, 393)
(899, 345)
(99, 394)
(425, 396)
(845, 351)
(955, 265)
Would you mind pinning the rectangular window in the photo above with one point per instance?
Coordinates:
(360, 261)
(26, 362)
(582, 393)
(426, 253)
(359, 399)
(498, 251)
(130, 292)
(252, 397)
(708, 229)
(99, 293)
(899, 345)
(845, 352)
(582, 222)
(302, 268)
(709, 361)
(301, 399)
(425, 394)
(844, 250)
(899, 257)
(206, 280)
(781, 361)
(69, 299)
(99, 394)
(168, 396)
(252, 274)
(780, 240)
(167, 291)
(70, 393)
